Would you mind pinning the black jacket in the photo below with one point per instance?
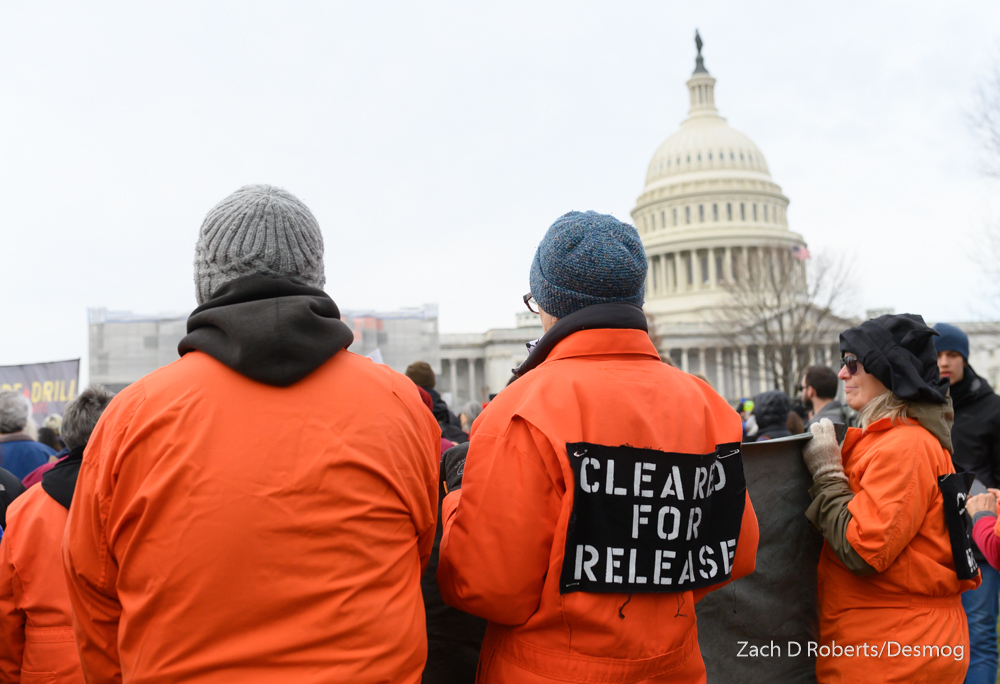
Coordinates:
(10, 489)
(976, 432)
(453, 637)
(451, 426)
(771, 411)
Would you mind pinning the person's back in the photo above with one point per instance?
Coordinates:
(36, 633)
(573, 528)
(266, 519)
(771, 411)
(19, 453)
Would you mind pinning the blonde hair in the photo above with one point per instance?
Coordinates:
(885, 405)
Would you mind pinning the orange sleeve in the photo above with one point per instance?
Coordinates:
(891, 503)
(498, 529)
(745, 559)
(420, 466)
(11, 617)
(91, 569)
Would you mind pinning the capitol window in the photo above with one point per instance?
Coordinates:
(741, 156)
(715, 212)
(755, 212)
(729, 211)
(675, 216)
(687, 267)
(701, 213)
(709, 156)
(743, 212)
(689, 159)
(704, 267)
(663, 219)
(699, 156)
(765, 213)
(687, 214)
(731, 157)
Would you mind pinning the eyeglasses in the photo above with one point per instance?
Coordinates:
(850, 362)
(529, 302)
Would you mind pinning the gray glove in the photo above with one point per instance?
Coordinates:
(822, 453)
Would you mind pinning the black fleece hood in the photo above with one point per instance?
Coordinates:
(60, 481)
(899, 351)
(614, 315)
(270, 329)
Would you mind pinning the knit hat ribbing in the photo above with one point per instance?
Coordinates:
(257, 229)
(588, 258)
(951, 339)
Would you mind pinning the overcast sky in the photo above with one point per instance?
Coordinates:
(435, 142)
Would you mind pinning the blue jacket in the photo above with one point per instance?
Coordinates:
(20, 454)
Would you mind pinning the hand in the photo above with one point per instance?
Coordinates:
(994, 492)
(453, 466)
(982, 503)
(822, 453)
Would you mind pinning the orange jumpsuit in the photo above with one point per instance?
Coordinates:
(505, 530)
(224, 530)
(898, 528)
(36, 632)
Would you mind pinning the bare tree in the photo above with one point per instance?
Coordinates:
(985, 123)
(985, 120)
(785, 305)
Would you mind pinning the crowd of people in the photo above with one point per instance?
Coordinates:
(272, 507)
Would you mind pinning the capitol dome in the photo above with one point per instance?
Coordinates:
(708, 205)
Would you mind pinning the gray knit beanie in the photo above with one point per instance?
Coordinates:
(586, 259)
(257, 229)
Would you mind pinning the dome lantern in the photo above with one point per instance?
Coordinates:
(702, 86)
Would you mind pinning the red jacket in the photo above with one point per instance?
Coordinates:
(224, 530)
(36, 633)
(505, 531)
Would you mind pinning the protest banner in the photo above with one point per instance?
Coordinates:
(49, 386)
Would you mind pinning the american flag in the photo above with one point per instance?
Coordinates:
(800, 253)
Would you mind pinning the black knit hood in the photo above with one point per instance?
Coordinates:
(270, 329)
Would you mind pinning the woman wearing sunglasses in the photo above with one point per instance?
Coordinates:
(889, 574)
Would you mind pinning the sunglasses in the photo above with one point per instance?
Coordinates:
(850, 362)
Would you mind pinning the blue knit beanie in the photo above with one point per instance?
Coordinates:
(951, 339)
(586, 259)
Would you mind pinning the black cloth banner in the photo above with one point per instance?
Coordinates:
(955, 492)
(651, 521)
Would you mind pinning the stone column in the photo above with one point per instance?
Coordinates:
(713, 276)
(727, 265)
(684, 359)
(744, 372)
(472, 380)
(761, 367)
(453, 377)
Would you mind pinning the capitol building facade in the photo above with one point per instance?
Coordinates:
(710, 217)
(709, 211)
